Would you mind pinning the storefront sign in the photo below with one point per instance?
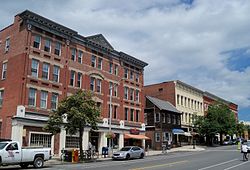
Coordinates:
(134, 131)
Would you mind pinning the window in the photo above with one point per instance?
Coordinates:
(165, 136)
(131, 94)
(137, 77)
(115, 89)
(92, 84)
(110, 68)
(110, 88)
(98, 85)
(116, 69)
(157, 117)
(34, 68)
(178, 99)
(80, 54)
(182, 100)
(44, 97)
(131, 75)
(54, 101)
(72, 78)
(100, 63)
(93, 61)
(79, 80)
(126, 114)
(137, 95)
(174, 119)
(32, 97)
(4, 71)
(72, 142)
(163, 118)
(73, 54)
(45, 72)
(168, 118)
(178, 120)
(56, 70)
(157, 137)
(37, 41)
(58, 49)
(7, 44)
(125, 73)
(1, 97)
(115, 111)
(39, 139)
(137, 115)
(47, 45)
(131, 114)
(126, 93)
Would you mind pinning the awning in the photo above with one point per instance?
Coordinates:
(130, 136)
(187, 134)
(178, 131)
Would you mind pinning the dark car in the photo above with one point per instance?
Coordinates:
(129, 152)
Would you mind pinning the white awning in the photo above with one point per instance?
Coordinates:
(187, 134)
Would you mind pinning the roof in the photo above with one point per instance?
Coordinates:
(101, 40)
(163, 105)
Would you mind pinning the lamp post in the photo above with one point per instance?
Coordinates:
(193, 136)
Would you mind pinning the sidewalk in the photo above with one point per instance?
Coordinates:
(57, 161)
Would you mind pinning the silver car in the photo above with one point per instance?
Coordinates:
(129, 152)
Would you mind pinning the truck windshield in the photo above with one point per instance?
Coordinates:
(2, 145)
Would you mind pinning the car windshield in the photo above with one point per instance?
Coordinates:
(125, 149)
(2, 145)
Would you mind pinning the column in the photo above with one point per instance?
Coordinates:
(62, 138)
(85, 139)
(17, 132)
(121, 140)
(143, 143)
(103, 142)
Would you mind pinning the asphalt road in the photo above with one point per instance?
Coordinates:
(218, 158)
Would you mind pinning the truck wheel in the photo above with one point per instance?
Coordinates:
(38, 162)
(24, 165)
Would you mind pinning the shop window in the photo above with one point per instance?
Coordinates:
(157, 137)
(40, 139)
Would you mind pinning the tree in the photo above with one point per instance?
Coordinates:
(74, 113)
(219, 119)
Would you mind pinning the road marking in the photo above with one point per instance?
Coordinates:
(236, 165)
(160, 165)
(217, 164)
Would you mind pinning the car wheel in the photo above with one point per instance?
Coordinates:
(142, 155)
(38, 162)
(127, 156)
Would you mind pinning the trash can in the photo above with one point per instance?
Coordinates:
(68, 155)
(75, 156)
(105, 151)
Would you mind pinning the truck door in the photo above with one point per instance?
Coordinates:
(12, 153)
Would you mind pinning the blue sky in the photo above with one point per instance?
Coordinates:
(203, 43)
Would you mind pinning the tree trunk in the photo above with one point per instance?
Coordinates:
(80, 142)
(221, 140)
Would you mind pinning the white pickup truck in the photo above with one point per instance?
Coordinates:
(11, 153)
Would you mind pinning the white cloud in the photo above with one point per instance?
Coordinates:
(177, 40)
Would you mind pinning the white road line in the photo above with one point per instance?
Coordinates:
(236, 165)
(217, 164)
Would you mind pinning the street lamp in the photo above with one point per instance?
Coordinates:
(193, 136)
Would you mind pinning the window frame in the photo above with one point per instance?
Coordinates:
(33, 97)
(7, 44)
(80, 55)
(1, 97)
(47, 48)
(58, 48)
(79, 80)
(54, 101)
(72, 78)
(73, 54)
(56, 73)
(45, 71)
(35, 43)
(4, 70)
(44, 100)
(35, 71)
(93, 61)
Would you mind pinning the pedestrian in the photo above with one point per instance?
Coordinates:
(244, 151)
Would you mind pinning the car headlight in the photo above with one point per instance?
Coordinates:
(122, 154)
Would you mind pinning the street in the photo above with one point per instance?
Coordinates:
(215, 158)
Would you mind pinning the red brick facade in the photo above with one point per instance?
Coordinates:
(23, 55)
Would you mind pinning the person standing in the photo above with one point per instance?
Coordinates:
(244, 151)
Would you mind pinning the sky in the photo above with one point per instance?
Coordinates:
(204, 43)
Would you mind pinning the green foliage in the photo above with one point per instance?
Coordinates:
(219, 119)
(74, 113)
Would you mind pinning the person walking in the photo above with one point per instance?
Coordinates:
(244, 151)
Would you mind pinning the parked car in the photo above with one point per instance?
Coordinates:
(227, 142)
(248, 146)
(11, 153)
(129, 152)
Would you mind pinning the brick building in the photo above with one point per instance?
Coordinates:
(187, 99)
(43, 62)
